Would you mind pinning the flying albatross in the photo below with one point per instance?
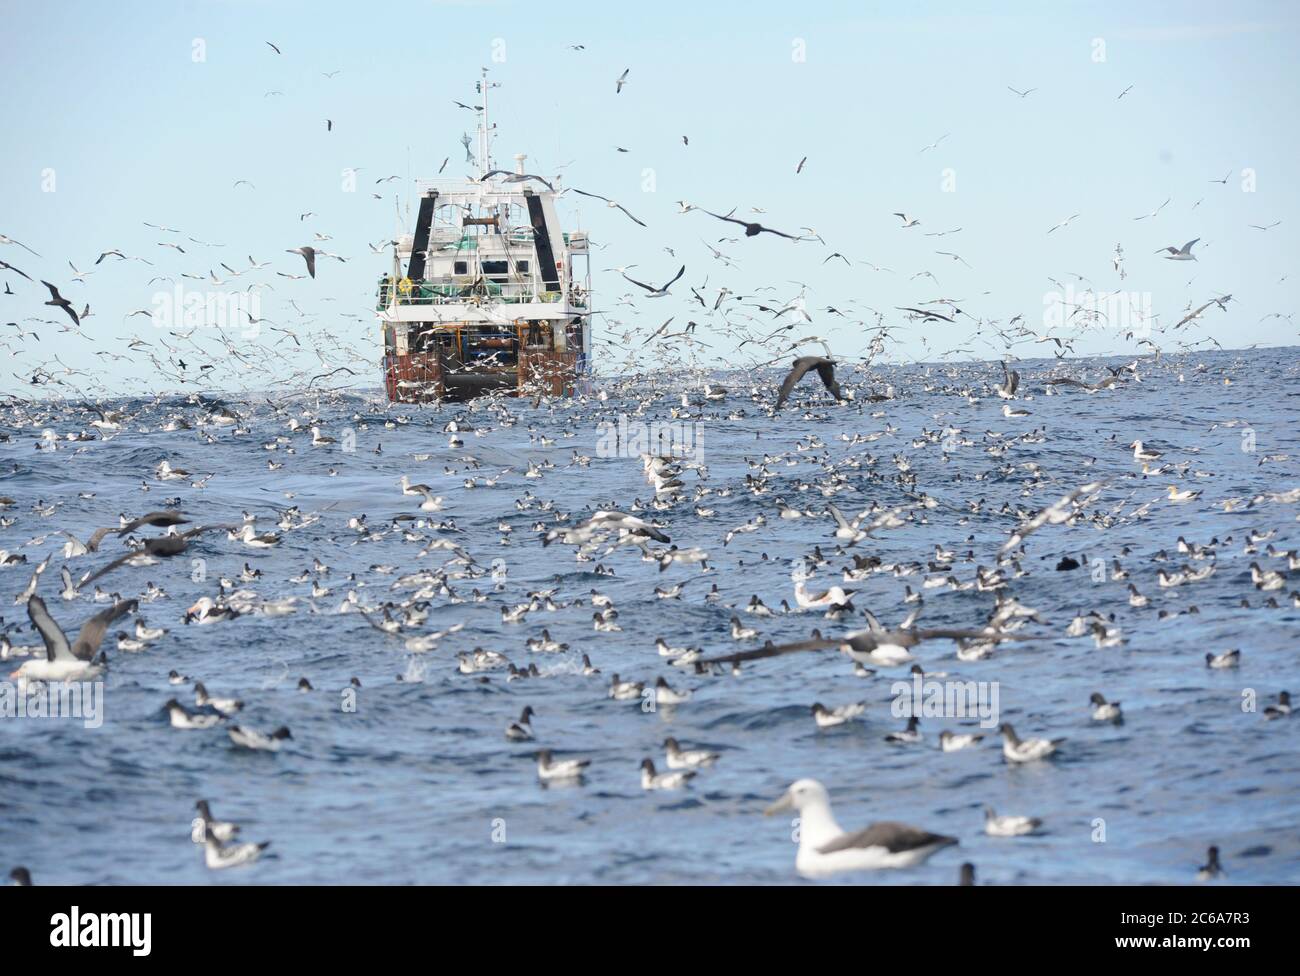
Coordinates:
(751, 229)
(64, 660)
(875, 645)
(825, 369)
(652, 291)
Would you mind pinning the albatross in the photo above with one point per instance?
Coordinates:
(751, 229)
(64, 660)
(661, 291)
(825, 369)
(825, 848)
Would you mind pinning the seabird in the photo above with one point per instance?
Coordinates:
(751, 229)
(660, 292)
(1211, 869)
(308, 254)
(825, 370)
(258, 741)
(908, 736)
(650, 780)
(826, 849)
(550, 769)
(223, 830)
(679, 758)
(828, 718)
(1105, 711)
(64, 661)
(1009, 826)
(521, 730)
(182, 718)
(1183, 253)
(1025, 750)
(953, 741)
(217, 855)
(59, 301)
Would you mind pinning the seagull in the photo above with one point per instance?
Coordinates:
(66, 661)
(1063, 223)
(1183, 253)
(308, 254)
(273, 47)
(825, 370)
(622, 80)
(1022, 94)
(611, 203)
(516, 177)
(826, 849)
(660, 292)
(908, 221)
(1155, 211)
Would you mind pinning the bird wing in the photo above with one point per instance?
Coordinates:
(826, 370)
(641, 283)
(773, 650)
(800, 368)
(91, 577)
(629, 213)
(594, 196)
(93, 630)
(675, 277)
(56, 642)
(730, 220)
(891, 835)
(839, 518)
(1188, 246)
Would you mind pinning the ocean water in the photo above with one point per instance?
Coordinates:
(418, 784)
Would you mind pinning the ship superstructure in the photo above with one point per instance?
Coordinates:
(484, 296)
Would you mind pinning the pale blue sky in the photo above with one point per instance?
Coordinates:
(108, 96)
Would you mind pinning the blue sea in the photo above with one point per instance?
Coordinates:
(409, 778)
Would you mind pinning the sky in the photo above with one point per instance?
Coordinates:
(118, 114)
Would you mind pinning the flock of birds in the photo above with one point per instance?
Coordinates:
(863, 503)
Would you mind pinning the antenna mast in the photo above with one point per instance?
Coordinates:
(484, 125)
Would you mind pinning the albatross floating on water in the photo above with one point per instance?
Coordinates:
(825, 848)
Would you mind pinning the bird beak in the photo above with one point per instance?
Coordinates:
(785, 803)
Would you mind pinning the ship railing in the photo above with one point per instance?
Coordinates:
(457, 293)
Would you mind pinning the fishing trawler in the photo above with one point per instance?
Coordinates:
(484, 296)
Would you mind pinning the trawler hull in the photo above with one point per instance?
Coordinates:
(425, 377)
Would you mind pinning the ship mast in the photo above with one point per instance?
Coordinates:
(484, 126)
